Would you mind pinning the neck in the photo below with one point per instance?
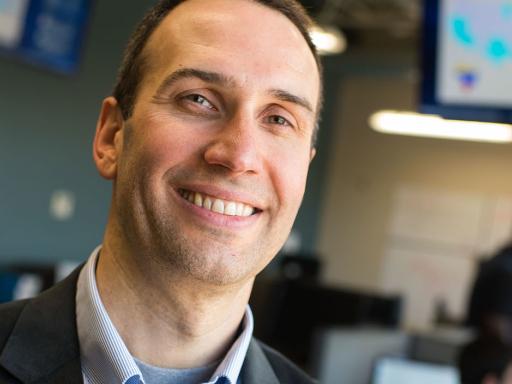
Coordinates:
(167, 320)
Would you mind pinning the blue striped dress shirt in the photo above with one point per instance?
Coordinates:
(104, 356)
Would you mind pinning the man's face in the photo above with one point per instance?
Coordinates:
(212, 165)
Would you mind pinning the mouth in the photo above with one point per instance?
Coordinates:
(214, 204)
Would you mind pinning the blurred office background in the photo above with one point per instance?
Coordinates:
(393, 228)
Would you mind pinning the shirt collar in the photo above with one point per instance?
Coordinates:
(231, 366)
(104, 356)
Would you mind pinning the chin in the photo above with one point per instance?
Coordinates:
(213, 266)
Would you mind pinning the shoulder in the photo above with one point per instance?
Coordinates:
(9, 314)
(285, 370)
(38, 314)
(38, 337)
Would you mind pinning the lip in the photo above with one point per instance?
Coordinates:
(213, 218)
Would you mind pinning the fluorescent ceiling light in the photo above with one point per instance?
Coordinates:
(415, 124)
(328, 40)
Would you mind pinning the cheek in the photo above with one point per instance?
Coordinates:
(163, 144)
(290, 169)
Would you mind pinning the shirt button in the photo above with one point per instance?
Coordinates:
(134, 380)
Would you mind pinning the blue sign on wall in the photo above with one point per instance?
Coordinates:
(44, 32)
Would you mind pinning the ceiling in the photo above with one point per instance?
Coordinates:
(399, 18)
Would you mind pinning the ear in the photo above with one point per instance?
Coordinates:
(312, 154)
(107, 144)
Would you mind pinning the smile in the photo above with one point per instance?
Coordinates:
(214, 204)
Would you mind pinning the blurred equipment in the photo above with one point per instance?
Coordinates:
(25, 281)
(439, 346)
(48, 33)
(8, 283)
(347, 355)
(292, 311)
(401, 371)
(301, 267)
(22, 282)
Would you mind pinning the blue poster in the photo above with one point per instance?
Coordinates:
(44, 32)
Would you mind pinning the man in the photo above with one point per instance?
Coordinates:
(207, 139)
(490, 300)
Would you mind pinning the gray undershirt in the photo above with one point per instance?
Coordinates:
(157, 375)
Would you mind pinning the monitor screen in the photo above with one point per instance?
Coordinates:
(467, 59)
(347, 355)
(48, 33)
(400, 371)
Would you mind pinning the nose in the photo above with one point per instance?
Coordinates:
(236, 147)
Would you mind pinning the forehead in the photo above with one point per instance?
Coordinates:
(253, 44)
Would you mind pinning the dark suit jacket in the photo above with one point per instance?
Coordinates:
(39, 344)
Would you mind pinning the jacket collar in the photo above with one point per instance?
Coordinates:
(43, 346)
(257, 368)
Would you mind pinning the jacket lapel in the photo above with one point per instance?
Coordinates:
(43, 346)
(257, 368)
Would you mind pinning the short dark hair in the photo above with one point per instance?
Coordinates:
(131, 70)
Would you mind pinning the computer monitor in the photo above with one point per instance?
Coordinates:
(390, 370)
(48, 33)
(347, 355)
(467, 59)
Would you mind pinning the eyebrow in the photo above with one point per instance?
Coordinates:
(291, 98)
(221, 79)
(206, 76)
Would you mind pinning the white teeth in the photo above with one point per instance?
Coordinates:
(229, 208)
(207, 203)
(248, 211)
(218, 206)
(198, 200)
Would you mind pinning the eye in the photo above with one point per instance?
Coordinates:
(279, 120)
(201, 100)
